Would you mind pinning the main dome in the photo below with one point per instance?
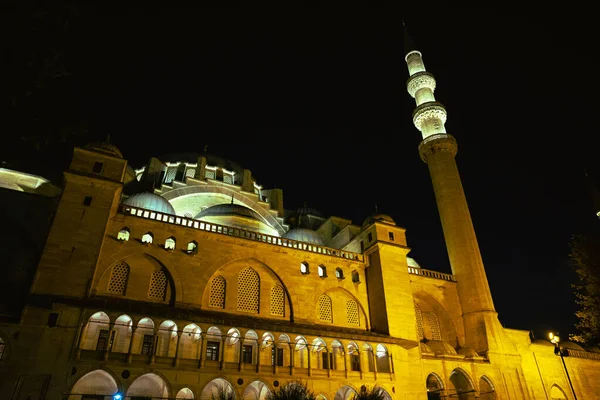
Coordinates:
(150, 201)
(305, 235)
(104, 147)
(236, 216)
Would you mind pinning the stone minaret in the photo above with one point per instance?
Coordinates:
(438, 148)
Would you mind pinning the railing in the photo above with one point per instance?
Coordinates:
(431, 274)
(581, 354)
(237, 232)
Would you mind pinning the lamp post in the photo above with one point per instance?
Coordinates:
(555, 340)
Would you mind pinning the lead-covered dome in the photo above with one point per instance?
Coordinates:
(106, 148)
(236, 216)
(384, 218)
(305, 235)
(150, 201)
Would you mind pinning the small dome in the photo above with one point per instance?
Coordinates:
(305, 235)
(425, 348)
(441, 348)
(386, 219)
(106, 148)
(468, 352)
(570, 345)
(412, 262)
(150, 201)
(221, 210)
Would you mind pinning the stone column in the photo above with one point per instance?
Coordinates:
(328, 356)
(240, 359)
(177, 352)
(203, 343)
(374, 363)
(130, 350)
(258, 354)
(360, 364)
(108, 346)
(309, 356)
(154, 346)
(346, 355)
(275, 359)
(391, 361)
(199, 350)
(222, 355)
(291, 359)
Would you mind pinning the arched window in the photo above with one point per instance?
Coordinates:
(217, 292)
(355, 277)
(185, 393)
(148, 238)
(248, 292)
(486, 389)
(118, 278)
(304, 268)
(434, 322)
(461, 384)
(556, 393)
(383, 361)
(434, 384)
(370, 356)
(322, 271)
(123, 235)
(170, 243)
(277, 301)
(419, 316)
(325, 308)
(2, 347)
(354, 356)
(158, 285)
(192, 247)
(339, 273)
(352, 313)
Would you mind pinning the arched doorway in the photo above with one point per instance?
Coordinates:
(462, 388)
(345, 393)
(219, 388)
(486, 389)
(556, 393)
(148, 385)
(434, 387)
(97, 382)
(257, 390)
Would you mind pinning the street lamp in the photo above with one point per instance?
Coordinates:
(555, 340)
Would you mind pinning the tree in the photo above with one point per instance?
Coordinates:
(377, 393)
(223, 393)
(296, 390)
(585, 259)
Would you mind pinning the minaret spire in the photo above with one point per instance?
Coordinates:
(483, 331)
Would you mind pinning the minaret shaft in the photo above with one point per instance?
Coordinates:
(482, 329)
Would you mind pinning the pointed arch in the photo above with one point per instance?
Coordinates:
(486, 389)
(419, 317)
(461, 384)
(325, 308)
(277, 301)
(345, 393)
(556, 393)
(149, 385)
(248, 291)
(96, 382)
(256, 390)
(119, 277)
(218, 290)
(95, 333)
(185, 394)
(213, 387)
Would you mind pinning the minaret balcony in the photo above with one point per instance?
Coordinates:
(431, 110)
(420, 80)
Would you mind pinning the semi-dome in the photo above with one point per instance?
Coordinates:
(412, 262)
(236, 216)
(150, 201)
(425, 348)
(305, 235)
(570, 345)
(104, 147)
(386, 219)
(468, 352)
(441, 348)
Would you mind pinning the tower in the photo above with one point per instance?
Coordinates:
(437, 150)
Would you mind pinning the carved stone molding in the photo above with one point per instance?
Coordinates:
(428, 111)
(420, 80)
(436, 143)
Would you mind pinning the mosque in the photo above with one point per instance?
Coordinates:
(186, 276)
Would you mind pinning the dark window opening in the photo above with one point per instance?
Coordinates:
(87, 201)
(327, 360)
(354, 362)
(383, 363)
(212, 351)
(355, 277)
(92, 397)
(391, 236)
(362, 246)
(97, 167)
(247, 351)
(277, 357)
(370, 237)
(371, 359)
(103, 342)
(147, 344)
(52, 318)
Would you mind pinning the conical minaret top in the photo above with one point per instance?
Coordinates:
(430, 116)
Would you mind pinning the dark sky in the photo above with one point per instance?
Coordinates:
(315, 103)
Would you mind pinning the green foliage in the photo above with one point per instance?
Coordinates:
(376, 393)
(223, 393)
(585, 259)
(296, 390)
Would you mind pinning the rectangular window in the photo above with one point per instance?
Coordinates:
(391, 236)
(147, 344)
(247, 351)
(103, 342)
(87, 201)
(371, 361)
(212, 351)
(383, 364)
(354, 362)
(97, 167)
(362, 246)
(370, 237)
(327, 360)
(279, 359)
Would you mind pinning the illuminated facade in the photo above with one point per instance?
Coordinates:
(184, 276)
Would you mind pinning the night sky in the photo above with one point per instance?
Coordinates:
(315, 103)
